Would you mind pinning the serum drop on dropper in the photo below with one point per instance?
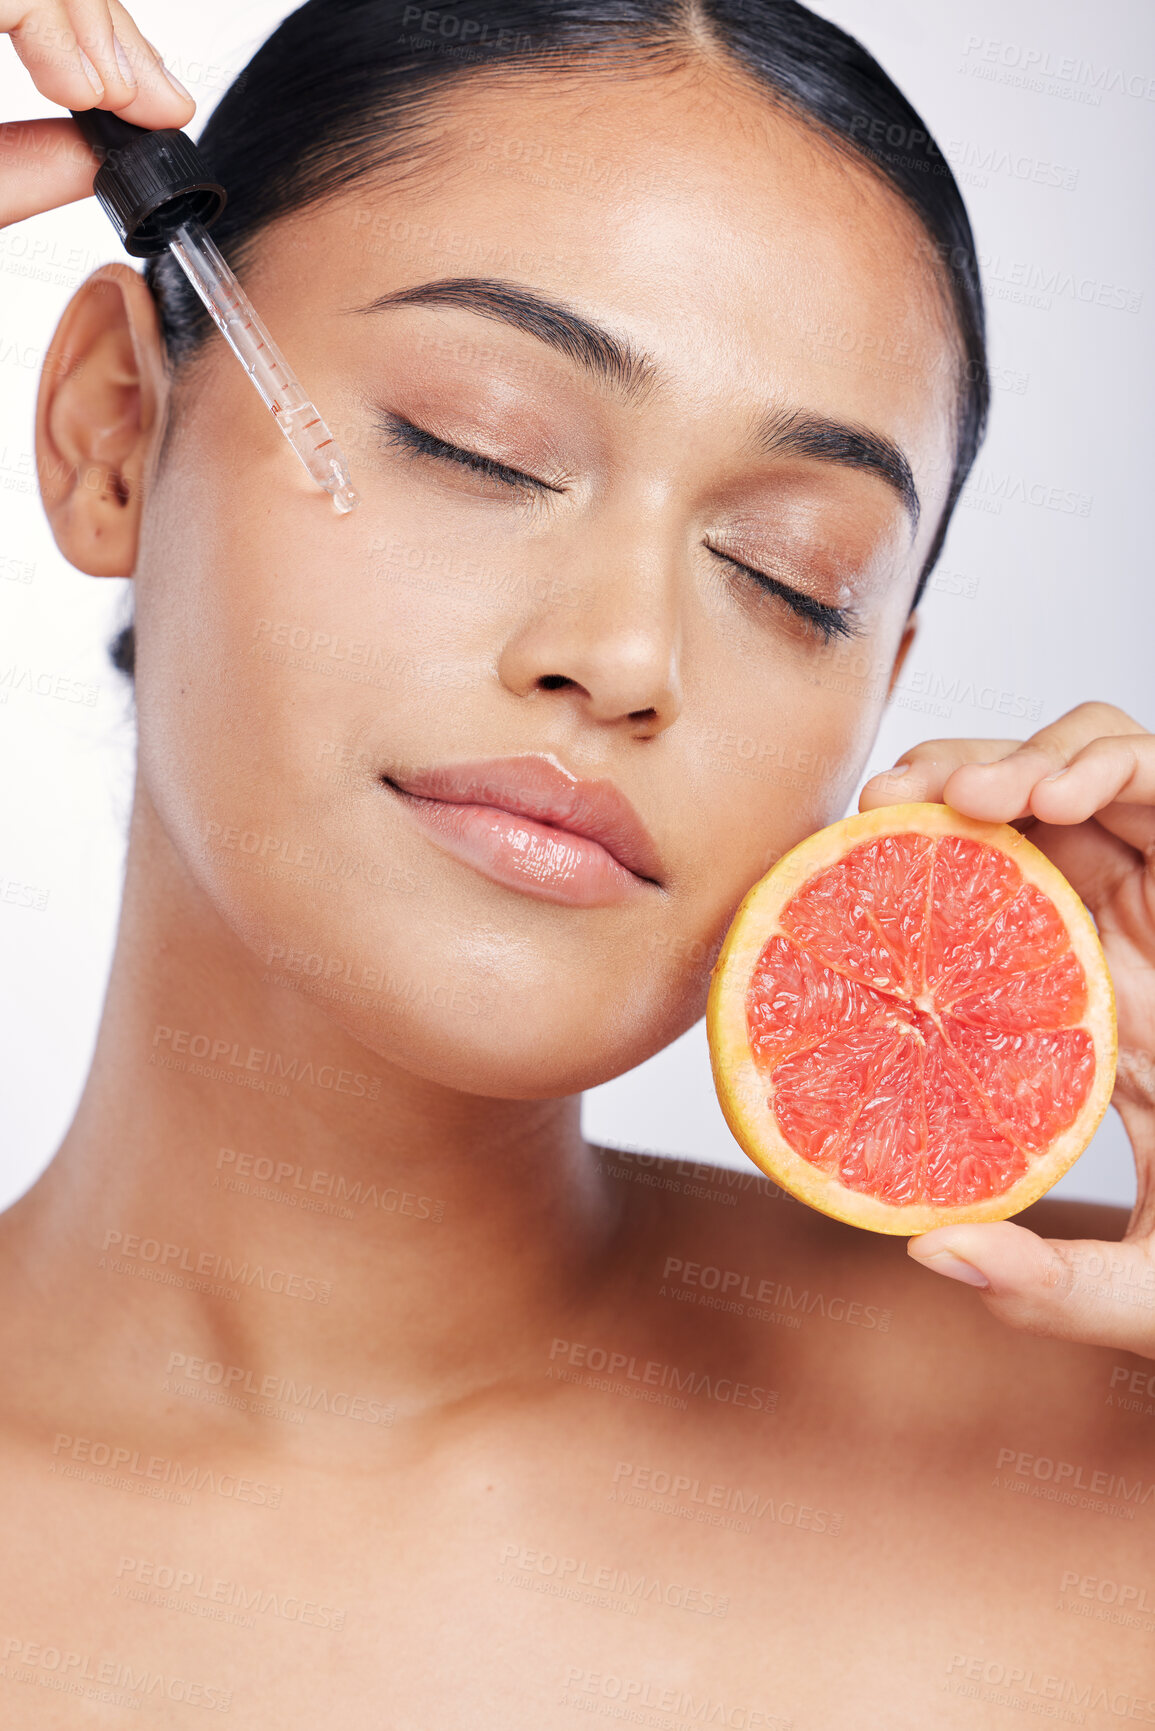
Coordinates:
(156, 191)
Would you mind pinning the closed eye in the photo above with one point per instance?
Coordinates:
(821, 620)
(408, 437)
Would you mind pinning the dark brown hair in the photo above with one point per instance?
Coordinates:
(341, 89)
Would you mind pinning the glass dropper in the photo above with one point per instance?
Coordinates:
(246, 335)
(158, 193)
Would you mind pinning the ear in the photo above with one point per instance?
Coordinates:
(99, 412)
(908, 635)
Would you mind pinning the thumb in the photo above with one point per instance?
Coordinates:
(1068, 1288)
(43, 164)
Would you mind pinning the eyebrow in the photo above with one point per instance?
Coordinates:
(616, 362)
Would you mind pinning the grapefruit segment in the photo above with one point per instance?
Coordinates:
(797, 1001)
(972, 885)
(1055, 995)
(911, 1021)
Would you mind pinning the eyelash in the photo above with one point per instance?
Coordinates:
(821, 621)
(416, 440)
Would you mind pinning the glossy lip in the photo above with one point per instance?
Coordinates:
(528, 823)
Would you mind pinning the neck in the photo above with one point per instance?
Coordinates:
(246, 1184)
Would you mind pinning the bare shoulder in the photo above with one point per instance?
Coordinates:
(753, 1272)
(738, 1273)
(732, 1223)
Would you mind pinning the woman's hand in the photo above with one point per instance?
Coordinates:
(81, 54)
(1096, 822)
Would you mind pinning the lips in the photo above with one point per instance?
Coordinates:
(528, 823)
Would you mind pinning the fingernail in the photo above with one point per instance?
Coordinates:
(176, 83)
(90, 72)
(1056, 773)
(126, 71)
(946, 1262)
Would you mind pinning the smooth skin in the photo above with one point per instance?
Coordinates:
(596, 1433)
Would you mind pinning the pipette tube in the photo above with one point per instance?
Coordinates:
(157, 193)
(279, 386)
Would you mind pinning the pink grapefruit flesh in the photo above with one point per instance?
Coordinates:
(911, 1021)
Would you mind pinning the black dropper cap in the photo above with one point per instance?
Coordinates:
(149, 182)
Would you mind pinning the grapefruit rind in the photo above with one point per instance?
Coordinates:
(741, 1086)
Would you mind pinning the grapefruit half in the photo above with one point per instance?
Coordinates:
(911, 1021)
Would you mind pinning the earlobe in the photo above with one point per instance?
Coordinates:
(909, 632)
(102, 394)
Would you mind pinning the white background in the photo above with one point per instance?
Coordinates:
(1047, 113)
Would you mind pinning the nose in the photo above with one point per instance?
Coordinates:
(607, 634)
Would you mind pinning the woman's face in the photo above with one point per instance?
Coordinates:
(298, 672)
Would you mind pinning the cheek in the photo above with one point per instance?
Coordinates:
(272, 628)
(775, 743)
(283, 663)
(287, 656)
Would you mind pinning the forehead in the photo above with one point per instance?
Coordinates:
(684, 210)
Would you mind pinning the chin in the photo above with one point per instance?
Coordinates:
(510, 1042)
(432, 969)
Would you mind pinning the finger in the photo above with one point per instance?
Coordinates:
(43, 164)
(47, 44)
(160, 99)
(1037, 779)
(97, 49)
(1113, 780)
(925, 768)
(1067, 1289)
(93, 56)
(1001, 791)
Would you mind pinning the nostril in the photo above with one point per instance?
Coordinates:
(553, 682)
(643, 715)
